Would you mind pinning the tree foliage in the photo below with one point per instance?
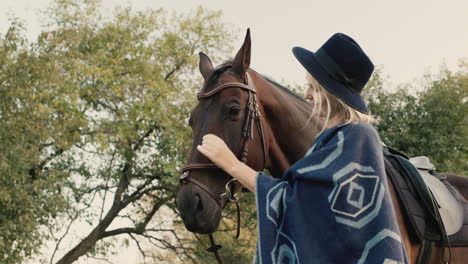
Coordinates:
(30, 124)
(92, 125)
(427, 118)
(93, 131)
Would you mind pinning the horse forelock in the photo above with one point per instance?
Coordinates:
(218, 71)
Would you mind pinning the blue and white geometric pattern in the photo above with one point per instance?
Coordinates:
(387, 236)
(331, 206)
(358, 200)
(357, 195)
(356, 189)
(310, 150)
(329, 159)
(351, 195)
(391, 261)
(284, 251)
(286, 255)
(341, 174)
(275, 200)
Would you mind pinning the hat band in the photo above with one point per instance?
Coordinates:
(335, 71)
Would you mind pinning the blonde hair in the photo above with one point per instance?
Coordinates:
(331, 108)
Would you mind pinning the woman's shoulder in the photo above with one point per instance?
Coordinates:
(360, 128)
(355, 131)
(361, 131)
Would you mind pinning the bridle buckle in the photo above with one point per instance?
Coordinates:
(184, 176)
(231, 195)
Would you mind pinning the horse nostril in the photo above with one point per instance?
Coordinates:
(200, 204)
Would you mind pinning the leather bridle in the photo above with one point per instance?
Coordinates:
(252, 115)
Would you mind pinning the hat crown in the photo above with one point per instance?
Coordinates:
(341, 67)
(343, 58)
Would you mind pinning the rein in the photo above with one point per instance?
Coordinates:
(252, 115)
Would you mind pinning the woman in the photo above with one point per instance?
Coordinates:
(333, 205)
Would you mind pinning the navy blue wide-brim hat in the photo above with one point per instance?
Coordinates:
(341, 67)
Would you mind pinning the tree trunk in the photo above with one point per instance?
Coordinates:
(86, 244)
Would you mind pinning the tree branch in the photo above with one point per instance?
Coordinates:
(138, 194)
(33, 171)
(140, 227)
(62, 237)
(89, 241)
(178, 66)
(142, 139)
(139, 247)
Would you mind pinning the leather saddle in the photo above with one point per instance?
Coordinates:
(436, 213)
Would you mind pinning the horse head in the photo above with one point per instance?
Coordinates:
(226, 109)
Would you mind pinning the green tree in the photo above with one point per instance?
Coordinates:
(427, 119)
(92, 116)
(29, 127)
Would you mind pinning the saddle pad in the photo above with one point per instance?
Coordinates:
(450, 209)
(422, 226)
(460, 239)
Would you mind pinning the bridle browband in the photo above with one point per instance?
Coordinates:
(252, 115)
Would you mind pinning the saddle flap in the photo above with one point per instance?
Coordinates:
(449, 208)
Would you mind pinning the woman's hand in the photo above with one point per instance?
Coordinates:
(218, 152)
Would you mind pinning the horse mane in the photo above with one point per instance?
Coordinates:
(284, 88)
(227, 64)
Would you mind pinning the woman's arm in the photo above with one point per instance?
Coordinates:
(245, 175)
(218, 152)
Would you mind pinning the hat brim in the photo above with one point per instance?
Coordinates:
(311, 64)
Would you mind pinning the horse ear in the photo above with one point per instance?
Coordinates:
(205, 65)
(242, 60)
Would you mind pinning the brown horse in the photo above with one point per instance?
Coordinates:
(279, 142)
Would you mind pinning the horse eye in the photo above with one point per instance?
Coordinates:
(234, 111)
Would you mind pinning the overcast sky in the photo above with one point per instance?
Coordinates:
(407, 37)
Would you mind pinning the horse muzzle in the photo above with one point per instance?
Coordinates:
(199, 211)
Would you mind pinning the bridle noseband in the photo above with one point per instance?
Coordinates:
(252, 115)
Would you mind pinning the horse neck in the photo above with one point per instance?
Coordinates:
(284, 117)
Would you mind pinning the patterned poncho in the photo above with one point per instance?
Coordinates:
(332, 206)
